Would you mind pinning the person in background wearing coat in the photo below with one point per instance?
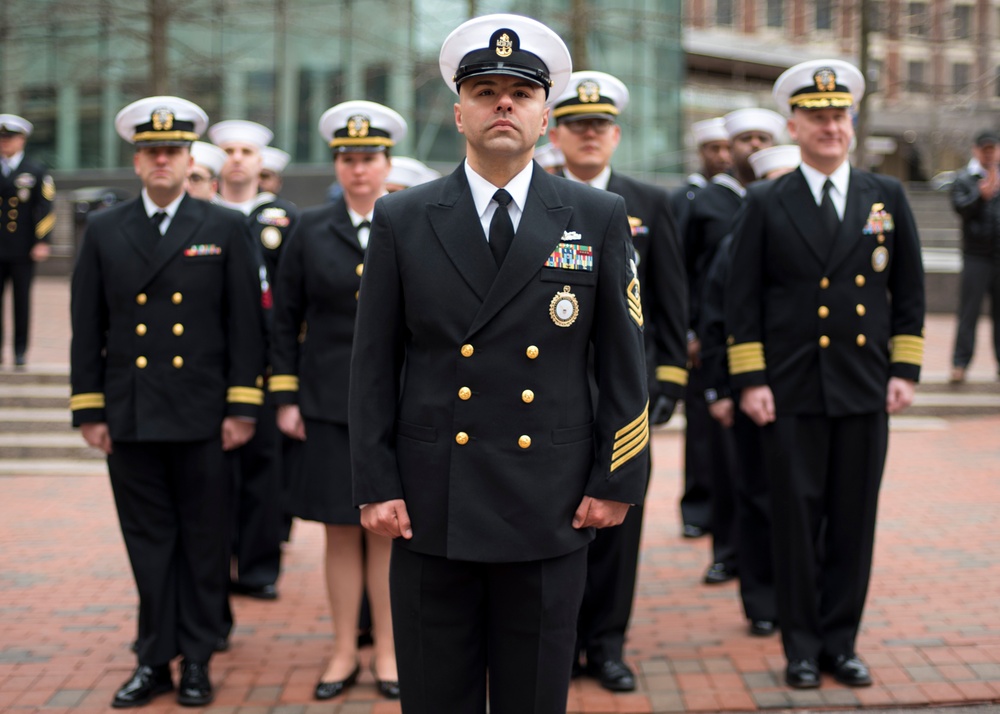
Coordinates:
(474, 438)
(167, 373)
(313, 332)
(587, 134)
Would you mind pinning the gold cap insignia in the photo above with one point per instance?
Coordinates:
(357, 126)
(825, 79)
(162, 119)
(505, 47)
(588, 91)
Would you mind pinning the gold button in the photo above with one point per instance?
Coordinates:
(467, 350)
(881, 238)
(176, 298)
(824, 283)
(524, 442)
(359, 269)
(465, 394)
(532, 352)
(861, 310)
(13, 201)
(259, 382)
(527, 396)
(12, 214)
(141, 362)
(141, 298)
(730, 340)
(11, 227)
(357, 293)
(824, 341)
(178, 361)
(178, 329)
(461, 438)
(859, 280)
(862, 340)
(823, 311)
(140, 329)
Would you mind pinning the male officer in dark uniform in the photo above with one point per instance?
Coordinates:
(167, 366)
(203, 178)
(711, 220)
(586, 133)
(474, 439)
(825, 308)
(272, 164)
(259, 517)
(26, 216)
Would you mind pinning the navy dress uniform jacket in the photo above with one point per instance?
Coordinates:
(825, 326)
(664, 282)
(167, 330)
(468, 400)
(26, 211)
(320, 273)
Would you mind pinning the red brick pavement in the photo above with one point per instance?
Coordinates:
(931, 631)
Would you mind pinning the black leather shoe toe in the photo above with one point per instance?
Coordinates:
(849, 670)
(763, 628)
(145, 683)
(693, 531)
(802, 674)
(258, 592)
(329, 690)
(613, 674)
(221, 644)
(718, 573)
(195, 689)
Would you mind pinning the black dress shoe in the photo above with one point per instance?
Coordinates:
(19, 360)
(221, 644)
(692, 531)
(259, 592)
(613, 674)
(763, 628)
(388, 688)
(144, 684)
(718, 573)
(328, 690)
(195, 689)
(802, 674)
(848, 670)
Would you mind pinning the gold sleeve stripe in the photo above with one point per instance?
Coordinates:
(245, 395)
(631, 426)
(283, 383)
(908, 349)
(48, 189)
(44, 226)
(626, 449)
(677, 375)
(89, 400)
(746, 357)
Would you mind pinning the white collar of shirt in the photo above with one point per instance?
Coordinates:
(600, 181)
(975, 168)
(356, 219)
(170, 209)
(483, 190)
(14, 161)
(697, 180)
(730, 182)
(840, 179)
(244, 207)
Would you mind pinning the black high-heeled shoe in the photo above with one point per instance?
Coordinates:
(329, 690)
(388, 688)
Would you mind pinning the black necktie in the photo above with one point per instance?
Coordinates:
(157, 218)
(501, 227)
(828, 212)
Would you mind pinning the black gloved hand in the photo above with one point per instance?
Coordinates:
(662, 409)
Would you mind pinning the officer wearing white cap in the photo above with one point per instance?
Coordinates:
(203, 179)
(407, 172)
(775, 161)
(710, 220)
(825, 312)
(272, 163)
(549, 158)
(259, 523)
(166, 372)
(27, 216)
(318, 285)
(475, 443)
(587, 133)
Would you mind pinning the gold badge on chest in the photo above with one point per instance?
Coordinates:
(564, 308)
(880, 259)
(270, 237)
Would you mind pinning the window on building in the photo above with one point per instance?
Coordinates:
(824, 14)
(961, 74)
(775, 13)
(915, 76)
(874, 78)
(917, 18)
(725, 13)
(876, 16)
(962, 22)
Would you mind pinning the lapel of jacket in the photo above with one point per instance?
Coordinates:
(542, 225)
(183, 227)
(798, 200)
(341, 226)
(456, 225)
(861, 194)
(138, 231)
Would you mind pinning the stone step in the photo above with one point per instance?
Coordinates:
(52, 467)
(28, 419)
(46, 446)
(35, 374)
(38, 396)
